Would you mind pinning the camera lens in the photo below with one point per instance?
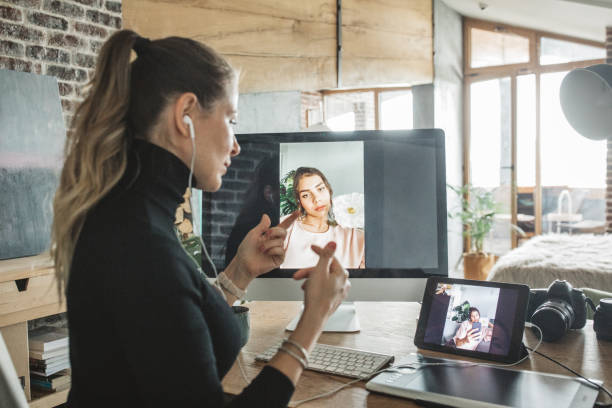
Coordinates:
(606, 306)
(554, 317)
(602, 321)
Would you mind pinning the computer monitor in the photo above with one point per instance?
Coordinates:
(388, 197)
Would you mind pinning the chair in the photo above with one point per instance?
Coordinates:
(11, 393)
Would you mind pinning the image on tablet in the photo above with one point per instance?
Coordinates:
(471, 317)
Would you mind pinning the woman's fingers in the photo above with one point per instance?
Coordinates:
(302, 273)
(276, 233)
(326, 255)
(335, 266)
(275, 251)
(289, 220)
(271, 243)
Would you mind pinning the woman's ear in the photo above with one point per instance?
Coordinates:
(185, 105)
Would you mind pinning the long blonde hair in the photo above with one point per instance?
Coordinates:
(124, 101)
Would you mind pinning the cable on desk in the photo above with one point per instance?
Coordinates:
(600, 387)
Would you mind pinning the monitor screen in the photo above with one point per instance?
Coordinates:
(380, 195)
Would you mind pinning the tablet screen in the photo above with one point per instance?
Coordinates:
(482, 319)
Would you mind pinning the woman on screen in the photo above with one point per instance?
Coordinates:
(316, 224)
(473, 331)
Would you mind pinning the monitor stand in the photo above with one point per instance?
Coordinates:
(344, 319)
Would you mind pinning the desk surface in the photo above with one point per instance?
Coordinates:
(389, 327)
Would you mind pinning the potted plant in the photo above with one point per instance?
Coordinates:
(477, 212)
(461, 313)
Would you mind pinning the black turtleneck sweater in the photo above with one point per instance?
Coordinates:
(145, 329)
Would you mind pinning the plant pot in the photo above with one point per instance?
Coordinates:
(477, 265)
(242, 316)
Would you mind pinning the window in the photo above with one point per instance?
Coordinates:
(349, 110)
(491, 155)
(363, 109)
(491, 48)
(395, 110)
(555, 51)
(545, 176)
(573, 169)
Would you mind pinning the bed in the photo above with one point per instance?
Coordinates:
(585, 261)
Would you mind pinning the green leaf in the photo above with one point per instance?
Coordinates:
(287, 199)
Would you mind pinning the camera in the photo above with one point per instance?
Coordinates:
(557, 309)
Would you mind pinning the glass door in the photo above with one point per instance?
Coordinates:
(527, 217)
(490, 154)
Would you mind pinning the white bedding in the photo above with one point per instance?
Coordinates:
(583, 260)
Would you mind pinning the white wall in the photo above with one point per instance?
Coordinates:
(340, 162)
(269, 112)
(448, 108)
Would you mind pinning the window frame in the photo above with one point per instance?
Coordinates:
(473, 75)
(376, 92)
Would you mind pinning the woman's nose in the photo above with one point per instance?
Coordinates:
(235, 148)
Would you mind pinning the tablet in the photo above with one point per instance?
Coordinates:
(445, 383)
(473, 318)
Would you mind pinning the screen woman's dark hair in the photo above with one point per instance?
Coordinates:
(124, 100)
(311, 171)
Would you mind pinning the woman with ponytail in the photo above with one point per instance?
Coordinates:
(140, 313)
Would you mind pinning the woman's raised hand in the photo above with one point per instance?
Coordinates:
(473, 335)
(325, 287)
(326, 284)
(260, 251)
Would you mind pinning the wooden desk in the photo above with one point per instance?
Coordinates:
(389, 327)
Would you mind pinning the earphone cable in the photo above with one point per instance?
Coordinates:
(197, 232)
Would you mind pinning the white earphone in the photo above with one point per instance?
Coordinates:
(187, 120)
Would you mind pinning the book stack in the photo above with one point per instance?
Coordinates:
(53, 383)
(49, 359)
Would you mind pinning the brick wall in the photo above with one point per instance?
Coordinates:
(609, 150)
(60, 38)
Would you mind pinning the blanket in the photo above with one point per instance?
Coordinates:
(582, 260)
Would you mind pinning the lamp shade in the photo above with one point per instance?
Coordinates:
(586, 100)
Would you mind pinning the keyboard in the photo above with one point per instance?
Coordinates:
(338, 360)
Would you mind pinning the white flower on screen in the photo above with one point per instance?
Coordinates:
(349, 210)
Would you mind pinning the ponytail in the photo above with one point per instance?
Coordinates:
(95, 150)
(124, 101)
